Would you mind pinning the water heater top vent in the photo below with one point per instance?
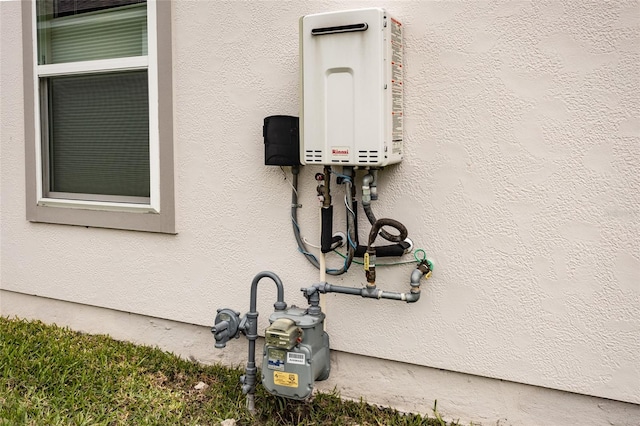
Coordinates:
(352, 88)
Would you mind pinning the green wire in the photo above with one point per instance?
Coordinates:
(415, 256)
(423, 259)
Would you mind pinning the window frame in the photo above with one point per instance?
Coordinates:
(156, 215)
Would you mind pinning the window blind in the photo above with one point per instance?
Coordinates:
(105, 31)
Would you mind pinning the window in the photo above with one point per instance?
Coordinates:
(98, 113)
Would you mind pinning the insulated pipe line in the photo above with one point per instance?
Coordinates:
(326, 212)
(326, 226)
(251, 331)
(372, 293)
(391, 250)
(295, 170)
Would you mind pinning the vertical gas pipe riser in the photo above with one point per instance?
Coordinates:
(249, 379)
(228, 325)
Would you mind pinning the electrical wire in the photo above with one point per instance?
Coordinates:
(302, 247)
(353, 214)
(349, 209)
(316, 246)
(287, 180)
(348, 258)
(424, 255)
(406, 262)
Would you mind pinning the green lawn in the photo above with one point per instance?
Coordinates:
(54, 376)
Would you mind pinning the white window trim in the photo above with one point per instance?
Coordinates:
(150, 63)
(88, 67)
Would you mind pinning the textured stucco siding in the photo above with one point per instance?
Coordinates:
(467, 399)
(521, 181)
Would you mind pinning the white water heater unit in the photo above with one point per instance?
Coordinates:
(351, 77)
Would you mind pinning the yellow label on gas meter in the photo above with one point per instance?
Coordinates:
(289, 380)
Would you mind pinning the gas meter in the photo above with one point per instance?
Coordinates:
(296, 353)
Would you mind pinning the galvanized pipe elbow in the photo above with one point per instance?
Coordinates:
(416, 276)
(412, 297)
(367, 179)
(280, 305)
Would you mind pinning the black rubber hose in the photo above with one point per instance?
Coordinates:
(402, 230)
(384, 234)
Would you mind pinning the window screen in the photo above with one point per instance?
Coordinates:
(99, 134)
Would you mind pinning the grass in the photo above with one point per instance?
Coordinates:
(54, 376)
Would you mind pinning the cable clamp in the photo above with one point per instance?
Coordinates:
(296, 206)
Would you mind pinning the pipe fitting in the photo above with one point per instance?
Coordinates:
(366, 189)
(370, 267)
(374, 184)
(412, 297)
(327, 189)
(254, 289)
(416, 276)
(424, 267)
(370, 291)
(312, 295)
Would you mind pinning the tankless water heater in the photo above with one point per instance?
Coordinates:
(352, 94)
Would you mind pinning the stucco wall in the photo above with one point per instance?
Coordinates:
(520, 181)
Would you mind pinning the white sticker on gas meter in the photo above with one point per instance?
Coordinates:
(295, 358)
(275, 359)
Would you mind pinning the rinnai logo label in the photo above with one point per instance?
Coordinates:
(340, 150)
